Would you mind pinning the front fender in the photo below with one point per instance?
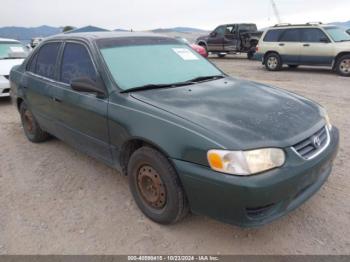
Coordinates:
(130, 119)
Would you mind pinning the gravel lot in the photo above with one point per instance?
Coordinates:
(55, 200)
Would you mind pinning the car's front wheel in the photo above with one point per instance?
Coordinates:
(273, 62)
(31, 127)
(156, 186)
(343, 66)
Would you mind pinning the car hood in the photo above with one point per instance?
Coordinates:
(239, 113)
(7, 64)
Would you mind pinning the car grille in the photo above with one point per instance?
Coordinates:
(7, 77)
(313, 145)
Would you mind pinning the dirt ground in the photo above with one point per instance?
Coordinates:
(55, 200)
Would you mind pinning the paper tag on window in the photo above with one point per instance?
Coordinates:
(185, 54)
(16, 49)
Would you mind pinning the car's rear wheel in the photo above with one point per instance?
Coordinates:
(31, 127)
(273, 62)
(343, 65)
(156, 186)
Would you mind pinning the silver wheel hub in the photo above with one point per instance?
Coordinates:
(345, 66)
(272, 62)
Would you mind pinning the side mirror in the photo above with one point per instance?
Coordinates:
(87, 85)
(213, 34)
(324, 40)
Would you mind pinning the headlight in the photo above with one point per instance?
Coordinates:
(245, 163)
(326, 118)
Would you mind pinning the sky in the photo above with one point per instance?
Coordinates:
(151, 14)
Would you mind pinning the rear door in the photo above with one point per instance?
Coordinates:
(216, 40)
(289, 46)
(316, 47)
(81, 117)
(41, 72)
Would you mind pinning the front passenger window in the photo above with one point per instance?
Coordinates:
(76, 63)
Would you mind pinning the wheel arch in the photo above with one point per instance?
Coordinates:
(19, 102)
(203, 43)
(339, 56)
(133, 144)
(270, 52)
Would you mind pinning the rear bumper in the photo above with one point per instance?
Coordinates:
(256, 200)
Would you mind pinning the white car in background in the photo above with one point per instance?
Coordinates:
(12, 53)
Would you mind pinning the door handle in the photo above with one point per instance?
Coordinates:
(306, 45)
(281, 44)
(56, 100)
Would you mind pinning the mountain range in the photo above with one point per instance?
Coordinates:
(25, 34)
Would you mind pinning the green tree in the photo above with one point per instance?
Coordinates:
(67, 28)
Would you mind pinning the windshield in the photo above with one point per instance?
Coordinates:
(12, 50)
(135, 66)
(338, 34)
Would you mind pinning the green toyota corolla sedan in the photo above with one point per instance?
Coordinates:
(189, 137)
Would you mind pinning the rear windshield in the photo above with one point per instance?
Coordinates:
(12, 50)
(144, 61)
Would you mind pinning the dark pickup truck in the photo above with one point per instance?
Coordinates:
(232, 39)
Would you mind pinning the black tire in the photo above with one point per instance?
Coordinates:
(342, 66)
(148, 163)
(250, 55)
(221, 55)
(31, 127)
(273, 62)
(293, 66)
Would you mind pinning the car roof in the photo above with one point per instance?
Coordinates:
(291, 26)
(103, 35)
(9, 40)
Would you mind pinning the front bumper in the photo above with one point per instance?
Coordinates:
(256, 200)
(4, 87)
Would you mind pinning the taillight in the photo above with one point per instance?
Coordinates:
(257, 48)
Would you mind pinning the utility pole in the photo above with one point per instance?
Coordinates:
(275, 10)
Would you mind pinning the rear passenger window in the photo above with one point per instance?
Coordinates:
(46, 60)
(273, 35)
(291, 35)
(313, 35)
(76, 63)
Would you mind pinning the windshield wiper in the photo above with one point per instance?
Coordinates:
(205, 78)
(345, 40)
(185, 83)
(147, 87)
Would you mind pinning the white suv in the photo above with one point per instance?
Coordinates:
(309, 44)
(12, 53)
